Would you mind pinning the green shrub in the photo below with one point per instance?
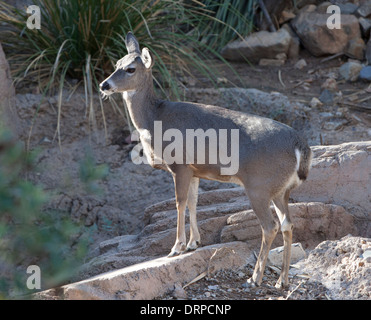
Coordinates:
(30, 235)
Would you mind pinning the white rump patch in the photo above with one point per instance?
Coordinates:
(298, 158)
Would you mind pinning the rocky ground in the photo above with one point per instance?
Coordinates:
(227, 285)
(344, 264)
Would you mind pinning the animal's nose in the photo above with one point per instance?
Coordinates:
(105, 86)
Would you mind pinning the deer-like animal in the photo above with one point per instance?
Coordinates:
(273, 158)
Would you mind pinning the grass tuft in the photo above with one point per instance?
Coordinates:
(83, 39)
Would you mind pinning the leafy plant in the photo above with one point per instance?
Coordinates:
(83, 39)
(28, 234)
(232, 19)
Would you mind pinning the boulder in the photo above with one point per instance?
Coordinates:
(258, 45)
(341, 174)
(318, 39)
(158, 236)
(8, 113)
(154, 278)
(341, 267)
(313, 223)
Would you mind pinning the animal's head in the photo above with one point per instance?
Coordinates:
(132, 71)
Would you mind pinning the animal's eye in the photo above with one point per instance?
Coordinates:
(130, 70)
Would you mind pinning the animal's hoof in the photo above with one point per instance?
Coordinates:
(282, 286)
(178, 249)
(192, 246)
(190, 249)
(173, 254)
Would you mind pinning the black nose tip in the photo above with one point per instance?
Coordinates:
(105, 86)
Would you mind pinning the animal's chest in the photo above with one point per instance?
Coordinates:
(148, 149)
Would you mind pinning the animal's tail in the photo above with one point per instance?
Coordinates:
(305, 160)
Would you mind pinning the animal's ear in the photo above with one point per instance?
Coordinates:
(132, 44)
(147, 58)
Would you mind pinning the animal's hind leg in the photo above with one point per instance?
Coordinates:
(282, 210)
(194, 239)
(260, 203)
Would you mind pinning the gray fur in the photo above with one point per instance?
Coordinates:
(267, 159)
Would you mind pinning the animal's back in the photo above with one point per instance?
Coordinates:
(266, 147)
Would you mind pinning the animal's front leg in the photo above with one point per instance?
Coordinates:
(182, 177)
(194, 239)
(180, 242)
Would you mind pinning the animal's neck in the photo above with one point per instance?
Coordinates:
(141, 104)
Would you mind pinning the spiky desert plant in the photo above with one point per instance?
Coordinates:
(83, 39)
(230, 19)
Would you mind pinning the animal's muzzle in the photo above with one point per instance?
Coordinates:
(105, 86)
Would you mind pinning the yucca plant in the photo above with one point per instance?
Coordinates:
(83, 39)
(231, 19)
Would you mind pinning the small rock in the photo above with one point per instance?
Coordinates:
(300, 64)
(179, 293)
(45, 140)
(315, 103)
(286, 16)
(281, 56)
(242, 274)
(350, 70)
(355, 49)
(365, 74)
(347, 8)
(326, 96)
(330, 84)
(216, 287)
(365, 26)
(365, 9)
(326, 115)
(271, 62)
(222, 80)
